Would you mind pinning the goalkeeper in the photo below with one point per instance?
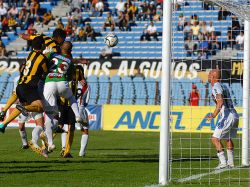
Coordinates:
(227, 127)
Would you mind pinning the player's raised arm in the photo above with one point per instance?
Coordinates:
(26, 36)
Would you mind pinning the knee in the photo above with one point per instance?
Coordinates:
(72, 128)
(85, 131)
(214, 140)
(21, 126)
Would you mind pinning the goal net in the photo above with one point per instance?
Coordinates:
(207, 35)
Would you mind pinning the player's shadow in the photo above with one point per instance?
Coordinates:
(26, 166)
(117, 149)
(32, 171)
(39, 171)
(109, 158)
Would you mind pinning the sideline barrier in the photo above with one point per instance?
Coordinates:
(94, 114)
(185, 119)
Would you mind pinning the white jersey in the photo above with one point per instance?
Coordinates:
(83, 99)
(83, 95)
(227, 106)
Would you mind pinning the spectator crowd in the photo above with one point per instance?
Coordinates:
(201, 40)
(122, 17)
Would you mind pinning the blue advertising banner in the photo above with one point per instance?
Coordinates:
(95, 117)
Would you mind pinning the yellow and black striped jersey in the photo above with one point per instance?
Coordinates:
(35, 67)
(49, 42)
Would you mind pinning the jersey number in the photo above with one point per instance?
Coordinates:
(62, 67)
(27, 68)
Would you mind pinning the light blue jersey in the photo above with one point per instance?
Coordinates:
(227, 107)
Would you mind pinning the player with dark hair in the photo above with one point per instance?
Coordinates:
(57, 84)
(52, 43)
(67, 116)
(27, 90)
(21, 118)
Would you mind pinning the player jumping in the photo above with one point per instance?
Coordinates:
(56, 85)
(27, 90)
(21, 118)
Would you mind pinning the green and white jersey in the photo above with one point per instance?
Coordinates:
(60, 67)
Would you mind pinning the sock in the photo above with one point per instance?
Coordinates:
(222, 158)
(230, 157)
(74, 106)
(69, 141)
(36, 134)
(48, 129)
(44, 140)
(12, 116)
(84, 142)
(64, 138)
(23, 136)
(33, 108)
(10, 101)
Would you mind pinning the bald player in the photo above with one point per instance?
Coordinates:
(57, 85)
(227, 126)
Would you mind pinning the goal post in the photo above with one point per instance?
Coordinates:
(241, 8)
(246, 86)
(164, 161)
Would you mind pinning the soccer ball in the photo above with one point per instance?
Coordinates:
(111, 40)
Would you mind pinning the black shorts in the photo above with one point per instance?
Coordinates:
(27, 94)
(67, 115)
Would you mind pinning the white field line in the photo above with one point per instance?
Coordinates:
(198, 176)
(154, 185)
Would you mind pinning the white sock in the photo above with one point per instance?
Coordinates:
(64, 138)
(222, 158)
(84, 142)
(23, 136)
(36, 134)
(48, 129)
(230, 157)
(74, 106)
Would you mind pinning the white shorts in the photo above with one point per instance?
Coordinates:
(23, 119)
(227, 127)
(51, 92)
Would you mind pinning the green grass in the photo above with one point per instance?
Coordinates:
(113, 159)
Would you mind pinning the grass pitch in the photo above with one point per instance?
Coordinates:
(114, 159)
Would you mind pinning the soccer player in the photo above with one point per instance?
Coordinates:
(80, 90)
(21, 118)
(84, 129)
(57, 85)
(27, 90)
(52, 43)
(226, 129)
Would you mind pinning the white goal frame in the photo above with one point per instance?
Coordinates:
(164, 155)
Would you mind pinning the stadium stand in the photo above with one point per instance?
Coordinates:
(116, 90)
(130, 45)
(104, 85)
(127, 90)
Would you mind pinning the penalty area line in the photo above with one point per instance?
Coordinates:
(198, 176)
